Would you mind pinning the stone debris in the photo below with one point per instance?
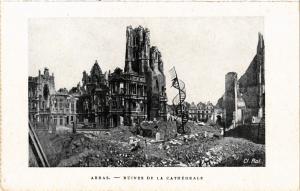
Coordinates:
(107, 133)
(175, 142)
(160, 146)
(123, 149)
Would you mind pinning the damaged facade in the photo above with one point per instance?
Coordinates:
(201, 112)
(244, 98)
(139, 92)
(48, 106)
(108, 100)
(92, 105)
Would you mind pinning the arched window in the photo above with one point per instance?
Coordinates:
(156, 85)
(46, 92)
(55, 103)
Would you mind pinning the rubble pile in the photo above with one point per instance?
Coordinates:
(208, 128)
(239, 152)
(121, 134)
(101, 153)
(121, 148)
(167, 130)
(190, 150)
(53, 145)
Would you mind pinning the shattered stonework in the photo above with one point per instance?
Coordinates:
(142, 85)
(118, 98)
(48, 107)
(120, 118)
(244, 99)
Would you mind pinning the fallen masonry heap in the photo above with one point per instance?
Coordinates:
(122, 148)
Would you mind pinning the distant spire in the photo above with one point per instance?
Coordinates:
(262, 41)
(96, 70)
(260, 44)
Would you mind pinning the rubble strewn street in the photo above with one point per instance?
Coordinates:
(123, 147)
(128, 118)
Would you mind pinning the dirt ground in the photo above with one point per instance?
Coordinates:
(122, 147)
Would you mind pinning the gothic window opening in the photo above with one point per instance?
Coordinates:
(156, 85)
(46, 92)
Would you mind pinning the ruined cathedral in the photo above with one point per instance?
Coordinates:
(139, 92)
(144, 78)
(123, 97)
(127, 96)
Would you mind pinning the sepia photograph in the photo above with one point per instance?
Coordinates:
(146, 92)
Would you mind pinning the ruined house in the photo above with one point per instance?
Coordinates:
(252, 85)
(46, 105)
(122, 97)
(201, 112)
(244, 99)
(40, 88)
(193, 111)
(63, 108)
(93, 97)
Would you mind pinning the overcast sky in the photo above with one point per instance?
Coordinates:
(202, 50)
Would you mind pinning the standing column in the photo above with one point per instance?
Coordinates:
(136, 89)
(110, 122)
(75, 111)
(230, 97)
(235, 103)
